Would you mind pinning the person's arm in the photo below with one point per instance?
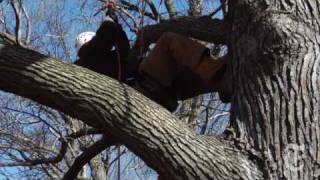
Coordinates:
(108, 34)
(121, 38)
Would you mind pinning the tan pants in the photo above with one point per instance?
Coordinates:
(177, 59)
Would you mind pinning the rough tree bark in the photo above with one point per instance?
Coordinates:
(148, 130)
(276, 102)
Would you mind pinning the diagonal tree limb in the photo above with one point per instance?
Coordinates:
(203, 28)
(148, 130)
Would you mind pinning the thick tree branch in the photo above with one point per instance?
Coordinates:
(203, 28)
(147, 129)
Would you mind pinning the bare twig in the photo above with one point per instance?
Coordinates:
(153, 10)
(86, 156)
(117, 157)
(118, 162)
(195, 7)
(64, 144)
(215, 11)
(17, 11)
(8, 37)
(127, 5)
(84, 132)
(33, 162)
(135, 23)
(170, 8)
(29, 26)
(221, 7)
(224, 7)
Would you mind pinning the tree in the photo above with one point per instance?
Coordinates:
(274, 63)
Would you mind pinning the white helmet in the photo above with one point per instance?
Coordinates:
(108, 18)
(83, 38)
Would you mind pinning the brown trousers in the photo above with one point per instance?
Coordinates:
(183, 64)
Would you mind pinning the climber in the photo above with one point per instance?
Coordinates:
(180, 68)
(177, 68)
(104, 51)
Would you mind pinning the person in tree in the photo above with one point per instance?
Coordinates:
(177, 68)
(105, 50)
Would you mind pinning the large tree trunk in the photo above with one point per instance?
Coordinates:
(276, 102)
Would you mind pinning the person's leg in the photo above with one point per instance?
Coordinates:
(181, 66)
(173, 53)
(203, 78)
(209, 68)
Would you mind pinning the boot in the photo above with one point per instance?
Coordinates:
(222, 83)
(156, 92)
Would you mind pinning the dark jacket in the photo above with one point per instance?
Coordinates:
(97, 55)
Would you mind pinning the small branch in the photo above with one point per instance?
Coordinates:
(118, 162)
(215, 11)
(213, 108)
(195, 7)
(118, 157)
(86, 156)
(170, 8)
(35, 162)
(29, 26)
(135, 24)
(224, 6)
(10, 39)
(84, 132)
(17, 11)
(221, 7)
(127, 5)
(154, 10)
(53, 160)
